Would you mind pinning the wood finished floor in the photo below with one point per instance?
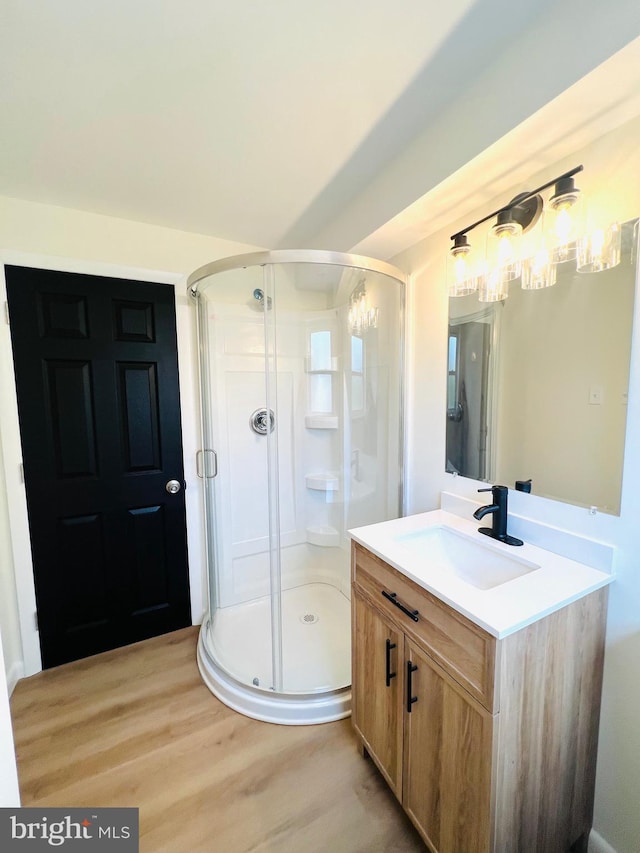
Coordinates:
(137, 727)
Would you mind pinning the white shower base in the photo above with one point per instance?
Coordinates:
(234, 656)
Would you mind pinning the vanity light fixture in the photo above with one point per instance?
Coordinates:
(505, 260)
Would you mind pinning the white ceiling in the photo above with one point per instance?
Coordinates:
(599, 102)
(259, 121)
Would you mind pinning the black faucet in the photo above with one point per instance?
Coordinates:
(498, 508)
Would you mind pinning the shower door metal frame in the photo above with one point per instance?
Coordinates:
(206, 472)
(273, 468)
(293, 256)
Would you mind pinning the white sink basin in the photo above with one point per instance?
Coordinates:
(473, 560)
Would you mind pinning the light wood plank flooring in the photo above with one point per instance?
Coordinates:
(137, 727)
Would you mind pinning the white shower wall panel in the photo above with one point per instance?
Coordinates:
(238, 368)
(243, 485)
(248, 486)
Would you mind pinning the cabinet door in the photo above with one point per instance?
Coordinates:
(377, 689)
(448, 749)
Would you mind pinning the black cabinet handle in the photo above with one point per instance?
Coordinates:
(411, 668)
(388, 674)
(393, 598)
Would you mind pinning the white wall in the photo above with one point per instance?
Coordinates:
(53, 237)
(9, 623)
(9, 793)
(611, 163)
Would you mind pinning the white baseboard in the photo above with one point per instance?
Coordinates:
(14, 674)
(597, 844)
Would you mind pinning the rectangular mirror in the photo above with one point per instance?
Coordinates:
(537, 384)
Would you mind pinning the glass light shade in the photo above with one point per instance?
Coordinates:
(599, 249)
(461, 276)
(538, 270)
(503, 249)
(564, 223)
(493, 286)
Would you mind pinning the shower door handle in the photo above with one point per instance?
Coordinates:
(213, 466)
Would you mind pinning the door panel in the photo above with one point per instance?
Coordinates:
(99, 408)
(378, 684)
(138, 411)
(69, 392)
(147, 529)
(77, 537)
(448, 753)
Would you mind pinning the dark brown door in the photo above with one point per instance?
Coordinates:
(98, 401)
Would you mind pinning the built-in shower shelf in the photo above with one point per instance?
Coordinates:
(330, 366)
(321, 421)
(323, 535)
(322, 482)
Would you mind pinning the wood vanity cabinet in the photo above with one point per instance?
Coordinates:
(490, 745)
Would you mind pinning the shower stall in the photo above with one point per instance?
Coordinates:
(301, 401)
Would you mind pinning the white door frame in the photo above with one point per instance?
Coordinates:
(12, 446)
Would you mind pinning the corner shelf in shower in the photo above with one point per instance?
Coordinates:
(323, 535)
(332, 366)
(321, 421)
(322, 482)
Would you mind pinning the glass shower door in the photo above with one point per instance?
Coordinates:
(237, 352)
(336, 386)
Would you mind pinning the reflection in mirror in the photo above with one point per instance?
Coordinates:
(537, 384)
(470, 338)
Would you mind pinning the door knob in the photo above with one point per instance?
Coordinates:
(173, 487)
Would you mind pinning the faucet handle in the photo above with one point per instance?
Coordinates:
(499, 492)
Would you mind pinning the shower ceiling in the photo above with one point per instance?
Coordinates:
(277, 123)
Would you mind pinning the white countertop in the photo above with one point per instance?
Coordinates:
(501, 610)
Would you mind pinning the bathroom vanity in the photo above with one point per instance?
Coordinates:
(477, 676)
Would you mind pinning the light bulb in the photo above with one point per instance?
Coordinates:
(460, 267)
(461, 278)
(538, 270)
(564, 225)
(565, 215)
(503, 247)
